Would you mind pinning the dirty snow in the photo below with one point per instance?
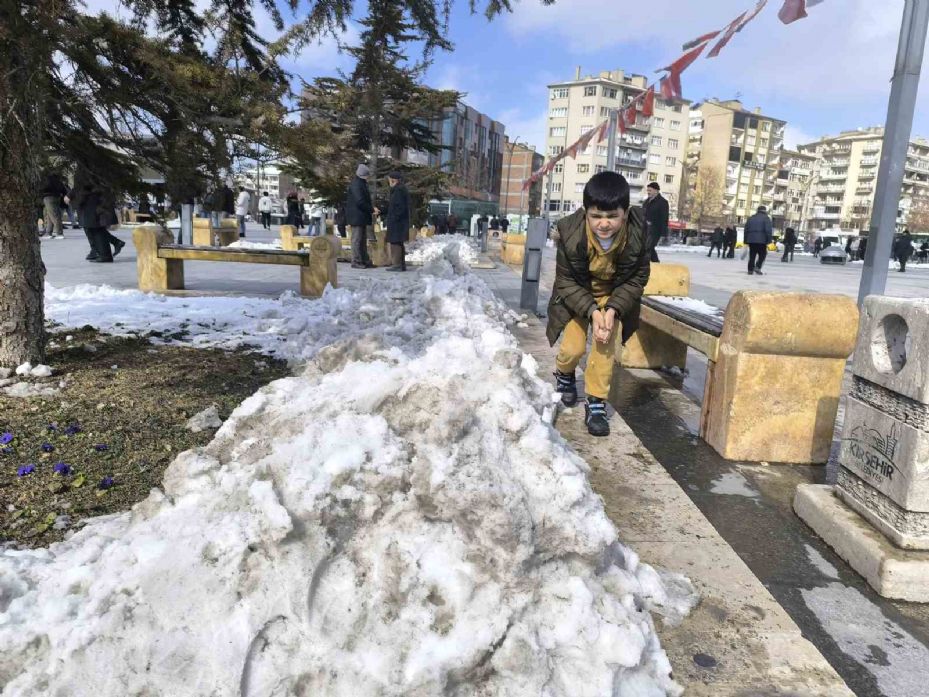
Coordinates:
(246, 244)
(690, 304)
(206, 419)
(397, 519)
(424, 249)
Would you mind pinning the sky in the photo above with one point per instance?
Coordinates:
(823, 74)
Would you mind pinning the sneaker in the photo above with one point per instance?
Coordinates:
(758, 272)
(567, 386)
(369, 264)
(358, 266)
(750, 273)
(118, 247)
(595, 417)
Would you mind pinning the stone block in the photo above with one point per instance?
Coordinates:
(893, 345)
(669, 279)
(651, 348)
(513, 248)
(323, 268)
(156, 274)
(892, 572)
(204, 234)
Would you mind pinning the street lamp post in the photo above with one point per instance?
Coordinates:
(900, 111)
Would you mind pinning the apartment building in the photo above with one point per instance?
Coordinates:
(645, 152)
(739, 147)
(845, 178)
(519, 162)
(791, 189)
(268, 177)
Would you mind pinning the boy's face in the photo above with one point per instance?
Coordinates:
(605, 224)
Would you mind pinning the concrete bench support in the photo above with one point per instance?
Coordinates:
(650, 347)
(323, 267)
(204, 232)
(513, 249)
(156, 274)
(773, 393)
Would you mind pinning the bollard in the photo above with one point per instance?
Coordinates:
(532, 264)
(883, 476)
(187, 223)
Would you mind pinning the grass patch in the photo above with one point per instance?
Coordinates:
(112, 429)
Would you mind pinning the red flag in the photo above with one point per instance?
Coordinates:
(648, 104)
(671, 86)
(728, 33)
(601, 131)
(586, 138)
(792, 10)
(702, 39)
(684, 62)
(629, 115)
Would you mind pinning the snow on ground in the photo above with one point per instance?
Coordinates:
(705, 250)
(425, 249)
(247, 244)
(690, 304)
(400, 518)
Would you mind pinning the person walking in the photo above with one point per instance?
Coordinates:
(398, 220)
(241, 209)
(452, 224)
(359, 215)
(730, 237)
(53, 191)
(339, 219)
(264, 207)
(790, 241)
(903, 249)
(716, 242)
(504, 224)
(656, 217)
(293, 208)
(848, 250)
(862, 248)
(315, 225)
(602, 267)
(96, 213)
(817, 246)
(228, 199)
(758, 235)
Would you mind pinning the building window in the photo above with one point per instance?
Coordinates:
(741, 203)
(557, 131)
(590, 91)
(599, 168)
(656, 140)
(765, 126)
(555, 149)
(764, 142)
(556, 187)
(583, 169)
(676, 108)
(669, 179)
(756, 189)
(609, 93)
(675, 125)
(586, 127)
(559, 168)
(579, 187)
(558, 112)
(653, 176)
(673, 143)
(560, 93)
(601, 150)
(604, 111)
(659, 122)
(654, 158)
(670, 161)
(554, 205)
(588, 111)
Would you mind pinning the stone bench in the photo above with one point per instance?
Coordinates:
(513, 248)
(204, 232)
(775, 363)
(160, 263)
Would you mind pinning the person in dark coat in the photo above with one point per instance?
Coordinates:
(790, 241)
(817, 246)
(228, 198)
(451, 224)
(716, 242)
(730, 237)
(759, 232)
(504, 224)
(339, 219)
(602, 267)
(656, 217)
(862, 248)
(96, 213)
(903, 249)
(293, 209)
(359, 216)
(398, 220)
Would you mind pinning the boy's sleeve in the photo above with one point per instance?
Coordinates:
(576, 297)
(625, 296)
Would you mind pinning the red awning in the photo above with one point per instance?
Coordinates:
(677, 225)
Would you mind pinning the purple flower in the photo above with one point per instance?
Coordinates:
(101, 447)
(105, 483)
(52, 427)
(25, 469)
(62, 469)
(8, 450)
(48, 448)
(6, 438)
(72, 429)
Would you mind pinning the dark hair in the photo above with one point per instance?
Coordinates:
(607, 191)
(264, 193)
(396, 175)
(653, 185)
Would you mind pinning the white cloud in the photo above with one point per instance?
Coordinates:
(794, 136)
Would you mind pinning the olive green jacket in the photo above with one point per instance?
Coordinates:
(572, 295)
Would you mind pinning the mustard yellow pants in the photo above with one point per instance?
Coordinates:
(599, 370)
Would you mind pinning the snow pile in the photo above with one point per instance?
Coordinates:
(425, 249)
(690, 304)
(246, 244)
(399, 519)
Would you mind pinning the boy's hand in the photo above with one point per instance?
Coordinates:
(609, 318)
(601, 330)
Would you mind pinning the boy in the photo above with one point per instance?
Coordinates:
(602, 269)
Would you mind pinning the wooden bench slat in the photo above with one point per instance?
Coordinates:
(705, 323)
(705, 343)
(249, 256)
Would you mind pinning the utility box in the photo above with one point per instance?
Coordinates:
(536, 234)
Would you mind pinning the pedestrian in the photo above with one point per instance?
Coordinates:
(903, 249)
(53, 190)
(315, 225)
(602, 267)
(716, 242)
(339, 219)
(790, 241)
(228, 200)
(848, 250)
(96, 212)
(862, 248)
(452, 226)
(359, 215)
(656, 217)
(730, 237)
(495, 226)
(241, 209)
(293, 209)
(817, 246)
(264, 207)
(924, 252)
(481, 225)
(758, 235)
(504, 224)
(398, 220)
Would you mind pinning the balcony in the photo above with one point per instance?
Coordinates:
(864, 190)
(832, 176)
(870, 162)
(630, 163)
(829, 216)
(844, 162)
(866, 176)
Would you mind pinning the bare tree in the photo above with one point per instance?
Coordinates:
(704, 202)
(917, 220)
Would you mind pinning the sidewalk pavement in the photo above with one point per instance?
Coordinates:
(739, 640)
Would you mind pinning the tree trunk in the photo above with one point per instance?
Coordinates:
(24, 63)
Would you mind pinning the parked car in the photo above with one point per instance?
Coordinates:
(833, 254)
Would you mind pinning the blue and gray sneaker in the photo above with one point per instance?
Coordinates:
(595, 417)
(567, 386)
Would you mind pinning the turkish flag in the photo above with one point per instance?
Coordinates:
(648, 104)
(702, 39)
(684, 62)
(601, 132)
(792, 10)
